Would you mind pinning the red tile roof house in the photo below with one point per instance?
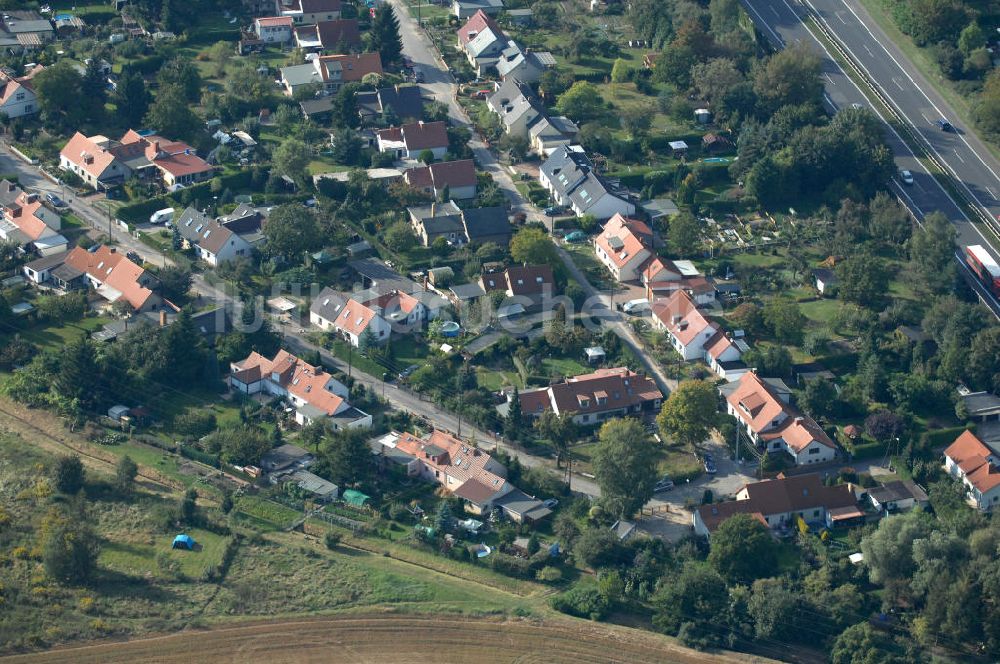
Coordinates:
(695, 337)
(482, 41)
(331, 71)
(115, 277)
(773, 423)
(393, 311)
(17, 96)
(462, 469)
(304, 12)
(29, 223)
(410, 140)
(778, 503)
(103, 163)
(312, 391)
(969, 460)
(459, 176)
(624, 247)
(274, 29)
(593, 398)
(530, 284)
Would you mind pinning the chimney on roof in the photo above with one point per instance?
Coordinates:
(11, 187)
(31, 198)
(112, 250)
(163, 317)
(156, 146)
(434, 209)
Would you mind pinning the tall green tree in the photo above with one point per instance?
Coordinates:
(684, 234)
(346, 460)
(742, 549)
(183, 350)
(290, 158)
(58, 91)
(125, 474)
(292, 229)
(932, 254)
(93, 89)
(533, 246)
(171, 115)
(68, 474)
(689, 413)
(697, 596)
(514, 421)
(785, 320)
(183, 73)
(582, 103)
(79, 377)
(624, 464)
(385, 36)
(69, 547)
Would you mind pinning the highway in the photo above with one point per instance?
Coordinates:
(783, 23)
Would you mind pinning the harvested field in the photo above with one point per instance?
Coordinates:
(391, 638)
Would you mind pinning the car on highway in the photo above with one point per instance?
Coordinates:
(553, 210)
(55, 201)
(664, 484)
(576, 236)
(944, 125)
(906, 177)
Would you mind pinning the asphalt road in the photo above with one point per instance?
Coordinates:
(782, 21)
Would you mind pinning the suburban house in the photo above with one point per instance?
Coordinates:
(569, 176)
(356, 320)
(773, 424)
(374, 275)
(458, 176)
(17, 97)
(325, 308)
(781, 502)
(308, 11)
(461, 295)
(312, 391)
(898, 496)
(285, 459)
(976, 465)
(517, 107)
(695, 337)
(29, 223)
(662, 276)
(463, 9)
(112, 275)
(212, 242)
(103, 163)
(274, 29)
(531, 284)
(462, 469)
(24, 30)
(551, 132)
(410, 140)
(624, 246)
(482, 41)
(330, 72)
(404, 101)
(341, 35)
(457, 226)
(593, 398)
(523, 63)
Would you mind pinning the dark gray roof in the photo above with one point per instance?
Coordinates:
(486, 222)
(407, 102)
(824, 275)
(467, 291)
(318, 106)
(284, 456)
(981, 403)
(46, 262)
(66, 273)
(443, 224)
(520, 503)
(566, 168)
(898, 490)
(508, 91)
(328, 304)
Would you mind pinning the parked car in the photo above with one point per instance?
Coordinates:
(665, 484)
(710, 466)
(419, 77)
(134, 257)
(551, 503)
(636, 307)
(480, 94)
(944, 125)
(553, 210)
(408, 371)
(576, 236)
(906, 177)
(55, 201)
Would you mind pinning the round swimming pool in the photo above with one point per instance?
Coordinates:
(450, 329)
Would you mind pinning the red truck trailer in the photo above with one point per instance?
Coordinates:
(985, 267)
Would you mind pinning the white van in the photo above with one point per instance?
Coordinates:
(160, 216)
(636, 307)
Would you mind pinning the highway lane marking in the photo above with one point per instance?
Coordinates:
(959, 156)
(896, 81)
(774, 11)
(903, 69)
(827, 77)
(777, 37)
(840, 16)
(992, 193)
(869, 50)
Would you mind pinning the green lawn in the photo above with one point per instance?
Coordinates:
(267, 511)
(563, 367)
(494, 379)
(55, 337)
(154, 556)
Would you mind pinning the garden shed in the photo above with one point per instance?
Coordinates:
(355, 498)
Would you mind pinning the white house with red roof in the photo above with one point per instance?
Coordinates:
(977, 466)
(695, 337)
(356, 319)
(103, 163)
(274, 29)
(482, 41)
(17, 96)
(114, 277)
(624, 246)
(379, 314)
(410, 140)
(29, 223)
(312, 391)
(593, 398)
(773, 423)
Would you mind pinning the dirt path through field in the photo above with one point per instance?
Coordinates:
(394, 638)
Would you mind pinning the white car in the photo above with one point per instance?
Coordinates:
(906, 177)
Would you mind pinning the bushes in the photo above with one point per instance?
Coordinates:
(582, 602)
(195, 423)
(510, 565)
(941, 437)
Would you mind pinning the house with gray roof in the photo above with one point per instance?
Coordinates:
(569, 176)
(517, 107)
(482, 41)
(405, 101)
(325, 308)
(211, 241)
(549, 133)
(488, 224)
(523, 63)
(457, 226)
(464, 9)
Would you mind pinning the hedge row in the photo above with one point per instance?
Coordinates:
(138, 213)
(942, 437)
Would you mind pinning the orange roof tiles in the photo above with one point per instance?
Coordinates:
(353, 67)
(449, 455)
(973, 457)
(111, 268)
(623, 238)
(299, 378)
(681, 317)
(354, 318)
(755, 403)
(618, 387)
